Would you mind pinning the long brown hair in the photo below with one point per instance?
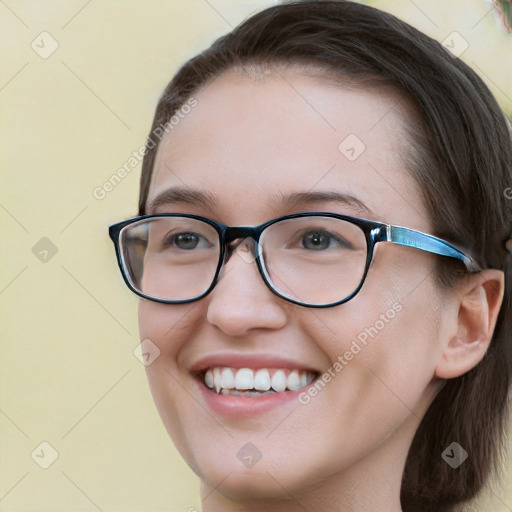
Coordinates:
(462, 161)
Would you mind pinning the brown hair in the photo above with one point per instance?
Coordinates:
(462, 161)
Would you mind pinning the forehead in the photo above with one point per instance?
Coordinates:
(248, 142)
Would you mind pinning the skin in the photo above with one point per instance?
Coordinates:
(248, 141)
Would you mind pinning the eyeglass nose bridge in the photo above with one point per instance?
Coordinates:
(234, 233)
(240, 233)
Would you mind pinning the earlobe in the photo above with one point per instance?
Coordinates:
(479, 301)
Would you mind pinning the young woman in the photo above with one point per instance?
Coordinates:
(322, 251)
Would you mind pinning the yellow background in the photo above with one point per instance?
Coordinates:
(68, 374)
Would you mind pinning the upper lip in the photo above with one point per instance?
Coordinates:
(237, 360)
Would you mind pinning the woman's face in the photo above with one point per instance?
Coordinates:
(248, 144)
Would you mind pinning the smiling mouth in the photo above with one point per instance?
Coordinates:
(249, 382)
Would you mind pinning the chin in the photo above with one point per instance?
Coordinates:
(247, 485)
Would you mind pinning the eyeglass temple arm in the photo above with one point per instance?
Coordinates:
(429, 243)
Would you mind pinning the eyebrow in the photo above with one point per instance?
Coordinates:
(183, 195)
(195, 197)
(297, 199)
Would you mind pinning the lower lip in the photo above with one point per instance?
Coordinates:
(240, 406)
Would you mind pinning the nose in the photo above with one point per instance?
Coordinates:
(241, 301)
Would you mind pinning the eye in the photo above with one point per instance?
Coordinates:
(321, 240)
(187, 241)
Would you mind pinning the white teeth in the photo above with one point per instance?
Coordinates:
(262, 381)
(208, 378)
(248, 382)
(293, 381)
(244, 379)
(228, 379)
(217, 379)
(279, 381)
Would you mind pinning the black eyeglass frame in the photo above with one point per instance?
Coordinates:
(374, 232)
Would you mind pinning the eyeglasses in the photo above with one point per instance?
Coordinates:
(313, 259)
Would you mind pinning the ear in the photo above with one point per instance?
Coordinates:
(479, 298)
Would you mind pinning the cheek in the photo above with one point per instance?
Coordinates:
(403, 322)
(166, 329)
(168, 326)
(384, 346)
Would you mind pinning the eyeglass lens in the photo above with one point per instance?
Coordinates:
(311, 260)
